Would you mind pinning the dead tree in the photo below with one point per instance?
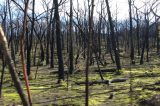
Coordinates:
(58, 43)
(22, 50)
(113, 41)
(71, 40)
(90, 19)
(9, 62)
(52, 22)
(154, 9)
(11, 39)
(131, 32)
(137, 30)
(29, 40)
(146, 38)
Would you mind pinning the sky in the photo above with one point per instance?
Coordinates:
(122, 6)
(117, 6)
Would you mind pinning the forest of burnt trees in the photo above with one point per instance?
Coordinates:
(72, 40)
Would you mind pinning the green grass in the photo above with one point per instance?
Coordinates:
(46, 91)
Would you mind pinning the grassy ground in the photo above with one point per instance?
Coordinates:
(143, 80)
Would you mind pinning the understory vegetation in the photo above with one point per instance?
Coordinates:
(143, 79)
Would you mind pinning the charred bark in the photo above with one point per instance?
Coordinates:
(58, 43)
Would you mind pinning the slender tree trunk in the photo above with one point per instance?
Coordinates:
(11, 40)
(22, 53)
(29, 39)
(52, 24)
(48, 38)
(142, 53)
(17, 83)
(90, 19)
(110, 51)
(71, 41)
(137, 33)
(130, 33)
(52, 47)
(35, 54)
(41, 52)
(114, 46)
(99, 34)
(147, 39)
(58, 43)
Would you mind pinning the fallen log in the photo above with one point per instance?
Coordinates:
(94, 82)
(107, 70)
(152, 88)
(103, 81)
(118, 80)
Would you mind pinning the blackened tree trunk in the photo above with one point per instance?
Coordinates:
(110, 49)
(11, 33)
(113, 41)
(48, 37)
(130, 33)
(58, 43)
(116, 29)
(28, 65)
(99, 33)
(17, 37)
(52, 46)
(70, 42)
(52, 24)
(35, 53)
(142, 53)
(90, 20)
(29, 40)
(41, 52)
(146, 40)
(137, 33)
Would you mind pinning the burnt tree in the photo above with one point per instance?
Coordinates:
(58, 43)
(113, 41)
